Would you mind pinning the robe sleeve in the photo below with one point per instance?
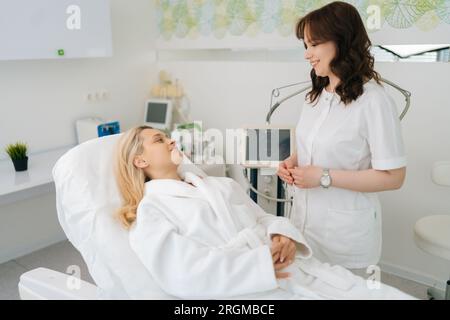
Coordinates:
(275, 224)
(186, 269)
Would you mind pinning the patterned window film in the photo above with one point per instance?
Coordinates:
(217, 18)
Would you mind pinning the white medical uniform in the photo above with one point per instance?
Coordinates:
(342, 226)
(212, 241)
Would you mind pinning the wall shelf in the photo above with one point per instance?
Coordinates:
(15, 186)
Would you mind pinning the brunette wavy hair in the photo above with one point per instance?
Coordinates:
(353, 64)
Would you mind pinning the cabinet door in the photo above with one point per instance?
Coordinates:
(46, 29)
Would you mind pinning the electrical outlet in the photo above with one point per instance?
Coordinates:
(104, 95)
(88, 97)
(97, 96)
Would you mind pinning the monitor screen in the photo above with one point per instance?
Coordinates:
(267, 144)
(156, 112)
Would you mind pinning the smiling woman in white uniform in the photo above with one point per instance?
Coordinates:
(349, 142)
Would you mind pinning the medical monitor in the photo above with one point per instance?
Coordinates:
(266, 146)
(158, 113)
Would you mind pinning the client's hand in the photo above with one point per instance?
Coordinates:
(275, 250)
(283, 254)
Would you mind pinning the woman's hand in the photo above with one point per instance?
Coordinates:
(306, 177)
(283, 169)
(283, 254)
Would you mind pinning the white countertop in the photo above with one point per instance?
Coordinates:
(39, 173)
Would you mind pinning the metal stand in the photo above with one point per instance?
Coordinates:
(280, 195)
(254, 183)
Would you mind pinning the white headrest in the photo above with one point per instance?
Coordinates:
(87, 198)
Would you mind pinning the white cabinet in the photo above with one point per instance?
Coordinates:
(54, 29)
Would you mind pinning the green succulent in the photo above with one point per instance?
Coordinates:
(17, 151)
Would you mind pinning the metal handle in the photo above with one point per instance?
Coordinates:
(276, 92)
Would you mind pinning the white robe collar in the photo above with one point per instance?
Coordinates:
(171, 187)
(176, 188)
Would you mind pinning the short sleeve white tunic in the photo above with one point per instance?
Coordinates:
(342, 226)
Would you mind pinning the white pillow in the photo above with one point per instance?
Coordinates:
(87, 198)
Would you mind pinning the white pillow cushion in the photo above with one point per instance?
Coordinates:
(87, 199)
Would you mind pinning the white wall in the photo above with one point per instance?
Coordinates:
(228, 94)
(41, 99)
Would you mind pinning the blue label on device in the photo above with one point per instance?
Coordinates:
(107, 129)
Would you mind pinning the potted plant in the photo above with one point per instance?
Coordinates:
(18, 154)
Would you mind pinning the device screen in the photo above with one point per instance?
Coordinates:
(156, 112)
(268, 144)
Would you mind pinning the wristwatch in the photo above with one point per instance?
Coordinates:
(325, 179)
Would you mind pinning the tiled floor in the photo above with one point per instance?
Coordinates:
(57, 257)
(62, 255)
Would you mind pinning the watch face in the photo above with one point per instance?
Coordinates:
(325, 181)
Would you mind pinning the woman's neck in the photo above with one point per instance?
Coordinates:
(333, 83)
(173, 175)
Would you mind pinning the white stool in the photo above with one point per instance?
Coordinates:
(432, 233)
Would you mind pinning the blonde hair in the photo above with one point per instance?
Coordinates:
(130, 179)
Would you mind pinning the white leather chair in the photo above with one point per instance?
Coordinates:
(86, 199)
(432, 233)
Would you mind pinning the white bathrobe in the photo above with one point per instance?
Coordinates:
(204, 238)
